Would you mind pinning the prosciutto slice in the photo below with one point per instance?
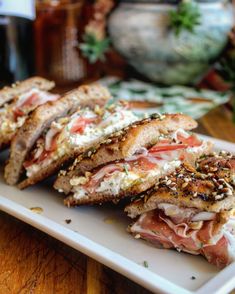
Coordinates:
(203, 237)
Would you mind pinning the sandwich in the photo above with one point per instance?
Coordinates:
(131, 160)
(191, 210)
(70, 136)
(8, 94)
(46, 117)
(19, 100)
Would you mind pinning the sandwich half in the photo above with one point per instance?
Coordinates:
(130, 161)
(23, 98)
(191, 210)
(40, 119)
(7, 94)
(70, 136)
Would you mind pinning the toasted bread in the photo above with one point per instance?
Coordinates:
(41, 118)
(123, 144)
(190, 187)
(9, 93)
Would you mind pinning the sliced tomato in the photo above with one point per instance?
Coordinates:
(191, 141)
(145, 164)
(31, 100)
(80, 124)
(32, 161)
(17, 113)
(44, 154)
(161, 148)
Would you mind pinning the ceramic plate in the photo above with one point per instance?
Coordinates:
(100, 232)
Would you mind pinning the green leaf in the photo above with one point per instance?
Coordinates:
(94, 49)
(185, 18)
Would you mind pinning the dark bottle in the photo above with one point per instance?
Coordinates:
(16, 40)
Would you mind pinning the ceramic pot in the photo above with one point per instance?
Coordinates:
(139, 31)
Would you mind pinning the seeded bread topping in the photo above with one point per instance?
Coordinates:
(146, 166)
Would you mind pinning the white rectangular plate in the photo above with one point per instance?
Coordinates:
(100, 232)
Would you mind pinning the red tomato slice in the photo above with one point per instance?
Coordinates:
(145, 164)
(44, 154)
(161, 148)
(191, 141)
(80, 124)
(31, 100)
(32, 161)
(17, 113)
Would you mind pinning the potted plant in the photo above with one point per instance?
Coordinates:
(169, 42)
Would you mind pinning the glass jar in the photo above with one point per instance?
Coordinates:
(57, 27)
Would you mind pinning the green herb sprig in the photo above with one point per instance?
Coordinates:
(94, 49)
(185, 18)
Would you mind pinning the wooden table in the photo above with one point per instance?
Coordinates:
(33, 262)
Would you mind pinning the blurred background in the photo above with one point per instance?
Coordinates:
(162, 48)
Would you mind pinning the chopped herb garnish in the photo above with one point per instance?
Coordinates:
(145, 263)
(125, 166)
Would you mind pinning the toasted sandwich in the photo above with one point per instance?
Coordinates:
(40, 119)
(191, 210)
(130, 161)
(20, 100)
(70, 136)
(8, 94)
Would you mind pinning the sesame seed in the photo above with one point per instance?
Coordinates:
(217, 197)
(185, 184)
(229, 192)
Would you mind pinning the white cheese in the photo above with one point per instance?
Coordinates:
(79, 193)
(91, 135)
(118, 181)
(78, 181)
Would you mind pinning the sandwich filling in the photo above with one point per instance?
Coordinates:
(191, 211)
(142, 169)
(76, 134)
(13, 115)
(189, 230)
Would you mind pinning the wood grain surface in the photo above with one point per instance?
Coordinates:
(33, 262)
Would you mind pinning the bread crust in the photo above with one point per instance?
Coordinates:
(9, 93)
(188, 187)
(123, 144)
(41, 118)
